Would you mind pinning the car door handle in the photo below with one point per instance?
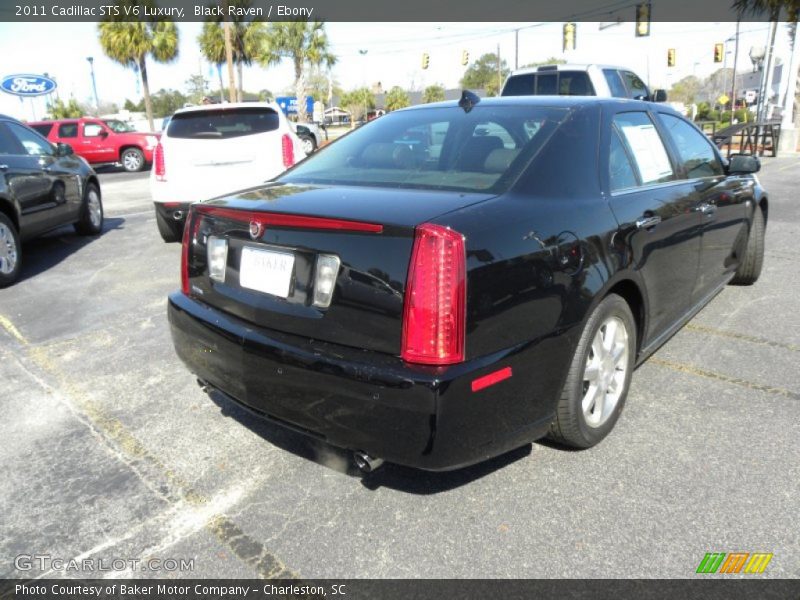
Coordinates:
(647, 222)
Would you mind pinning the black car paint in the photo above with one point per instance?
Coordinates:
(42, 193)
(540, 257)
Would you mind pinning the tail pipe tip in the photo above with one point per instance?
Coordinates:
(365, 462)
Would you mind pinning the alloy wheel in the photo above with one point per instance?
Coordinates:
(95, 209)
(605, 371)
(8, 250)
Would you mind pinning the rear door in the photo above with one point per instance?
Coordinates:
(659, 236)
(212, 152)
(720, 201)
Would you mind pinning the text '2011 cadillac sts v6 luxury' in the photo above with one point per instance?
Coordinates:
(455, 280)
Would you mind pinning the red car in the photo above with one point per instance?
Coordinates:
(102, 141)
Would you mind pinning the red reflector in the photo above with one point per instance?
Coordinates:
(434, 312)
(267, 219)
(189, 233)
(288, 150)
(158, 163)
(171, 204)
(490, 379)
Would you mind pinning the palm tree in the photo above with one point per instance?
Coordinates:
(245, 40)
(304, 43)
(129, 43)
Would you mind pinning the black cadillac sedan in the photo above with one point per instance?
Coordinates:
(42, 187)
(454, 280)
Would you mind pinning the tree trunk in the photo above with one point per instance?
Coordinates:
(148, 105)
(300, 89)
(241, 85)
(229, 58)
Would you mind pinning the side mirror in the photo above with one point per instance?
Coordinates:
(64, 149)
(102, 133)
(743, 163)
(659, 95)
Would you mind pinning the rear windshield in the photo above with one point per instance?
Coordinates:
(43, 129)
(219, 123)
(435, 148)
(547, 83)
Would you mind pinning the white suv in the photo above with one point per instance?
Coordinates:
(210, 150)
(579, 80)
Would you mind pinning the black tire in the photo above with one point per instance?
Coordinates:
(750, 267)
(170, 232)
(309, 144)
(91, 221)
(572, 426)
(132, 160)
(11, 251)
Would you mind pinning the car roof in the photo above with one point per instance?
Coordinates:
(554, 102)
(566, 67)
(227, 106)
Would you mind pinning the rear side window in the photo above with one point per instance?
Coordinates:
(223, 124)
(644, 144)
(520, 85)
(615, 84)
(67, 130)
(574, 83)
(694, 149)
(621, 174)
(43, 129)
(547, 84)
(8, 143)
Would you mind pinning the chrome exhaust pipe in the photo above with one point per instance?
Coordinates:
(178, 215)
(365, 462)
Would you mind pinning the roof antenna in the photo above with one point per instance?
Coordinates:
(468, 100)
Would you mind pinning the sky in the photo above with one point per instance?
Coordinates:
(394, 54)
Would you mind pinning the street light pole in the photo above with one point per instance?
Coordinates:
(94, 83)
(735, 59)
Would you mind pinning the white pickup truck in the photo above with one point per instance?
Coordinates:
(580, 80)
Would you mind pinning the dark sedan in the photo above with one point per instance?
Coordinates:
(455, 280)
(42, 186)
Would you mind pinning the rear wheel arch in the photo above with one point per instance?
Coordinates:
(633, 294)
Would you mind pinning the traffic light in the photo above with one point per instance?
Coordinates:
(719, 52)
(643, 19)
(464, 58)
(569, 36)
(671, 57)
(426, 60)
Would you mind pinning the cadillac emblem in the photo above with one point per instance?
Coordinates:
(256, 229)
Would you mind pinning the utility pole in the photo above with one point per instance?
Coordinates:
(516, 49)
(499, 75)
(90, 59)
(735, 59)
(768, 75)
(788, 139)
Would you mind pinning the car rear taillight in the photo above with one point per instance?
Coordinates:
(288, 150)
(189, 231)
(434, 314)
(158, 163)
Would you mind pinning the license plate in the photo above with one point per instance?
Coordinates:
(266, 271)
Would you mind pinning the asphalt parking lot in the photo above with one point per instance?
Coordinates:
(110, 450)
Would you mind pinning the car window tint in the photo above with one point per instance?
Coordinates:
(547, 84)
(645, 146)
(8, 143)
(222, 124)
(520, 85)
(636, 87)
(92, 129)
(615, 84)
(436, 148)
(621, 173)
(574, 83)
(68, 130)
(33, 143)
(694, 149)
(42, 128)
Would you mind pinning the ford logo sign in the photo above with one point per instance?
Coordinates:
(27, 85)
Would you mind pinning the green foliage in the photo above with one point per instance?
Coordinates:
(396, 99)
(130, 106)
(482, 74)
(60, 110)
(164, 103)
(685, 90)
(130, 43)
(358, 102)
(196, 87)
(433, 93)
(305, 43)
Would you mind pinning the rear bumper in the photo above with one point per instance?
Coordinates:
(423, 417)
